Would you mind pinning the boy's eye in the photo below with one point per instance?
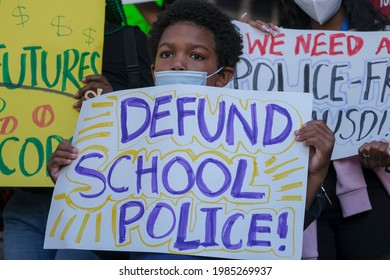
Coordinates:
(165, 54)
(196, 56)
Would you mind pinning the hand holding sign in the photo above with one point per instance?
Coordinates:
(63, 155)
(321, 141)
(270, 27)
(94, 83)
(375, 154)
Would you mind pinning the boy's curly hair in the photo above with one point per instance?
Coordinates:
(228, 41)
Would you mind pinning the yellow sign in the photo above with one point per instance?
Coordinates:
(46, 48)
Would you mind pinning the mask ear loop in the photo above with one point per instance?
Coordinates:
(216, 72)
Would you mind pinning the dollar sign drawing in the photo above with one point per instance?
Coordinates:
(17, 12)
(62, 30)
(88, 33)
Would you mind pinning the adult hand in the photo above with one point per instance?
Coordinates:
(320, 138)
(269, 28)
(62, 156)
(92, 82)
(375, 154)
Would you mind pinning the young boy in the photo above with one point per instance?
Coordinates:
(196, 36)
(193, 35)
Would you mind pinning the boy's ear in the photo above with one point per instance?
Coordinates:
(225, 76)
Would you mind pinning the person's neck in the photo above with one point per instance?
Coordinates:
(334, 23)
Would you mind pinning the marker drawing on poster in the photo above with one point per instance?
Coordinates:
(186, 170)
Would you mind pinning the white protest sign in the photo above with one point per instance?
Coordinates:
(188, 170)
(348, 74)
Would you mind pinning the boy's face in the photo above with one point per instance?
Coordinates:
(186, 46)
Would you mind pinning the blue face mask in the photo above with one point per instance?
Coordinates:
(182, 77)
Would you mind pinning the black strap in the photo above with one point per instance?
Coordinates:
(131, 58)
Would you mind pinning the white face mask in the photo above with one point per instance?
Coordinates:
(182, 77)
(319, 10)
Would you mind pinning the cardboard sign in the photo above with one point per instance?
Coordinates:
(348, 74)
(186, 170)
